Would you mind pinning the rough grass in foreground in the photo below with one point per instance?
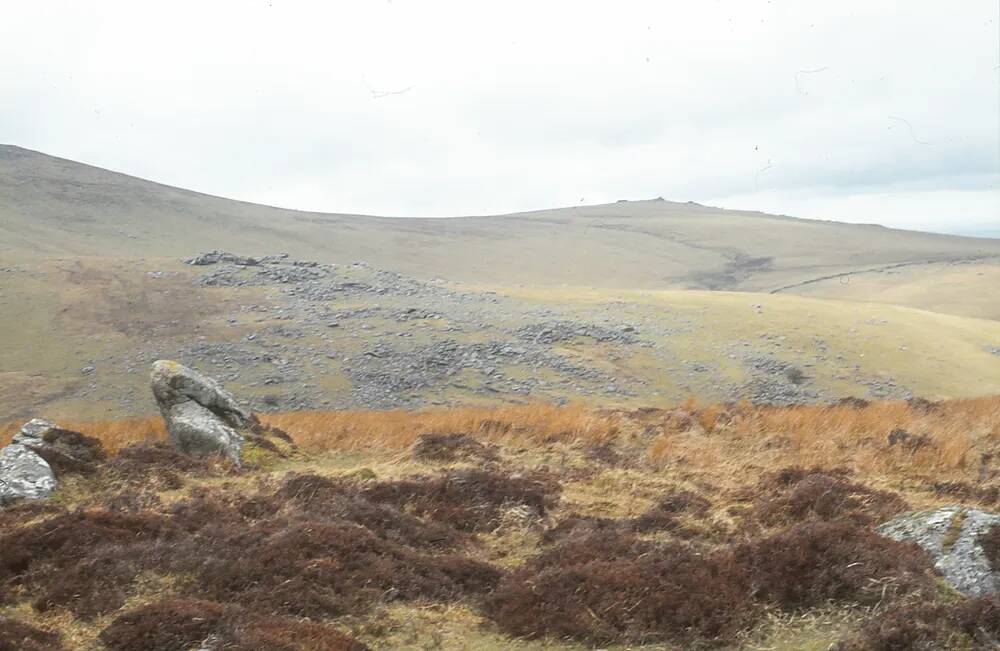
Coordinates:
(728, 526)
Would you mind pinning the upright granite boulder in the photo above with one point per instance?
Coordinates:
(954, 538)
(202, 417)
(24, 474)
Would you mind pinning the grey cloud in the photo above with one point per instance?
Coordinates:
(520, 106)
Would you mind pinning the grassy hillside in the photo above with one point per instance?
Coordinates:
(79, 335)
(569, 304)
(51, 206)
(963, 289)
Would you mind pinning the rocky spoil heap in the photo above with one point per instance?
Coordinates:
(953, 536)
(201, 416)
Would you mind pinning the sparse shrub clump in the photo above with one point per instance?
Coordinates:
(664, 514)
(158, 467)
(605, 453)
(923, 405)
(615, 587)
(69, 452)
(185, 623)
(602, 584)
(83, 560)
(812, 563)
(853, 402)
(966, 624)
(990, 542)
(574, 526)
(907, 441)
(451, 447)
(326, 498)
(163, 626)
(285, 634)
(797, 494)
(310, 548)
(469, 500)
(314, 568)
(18, 636)
(964, 491)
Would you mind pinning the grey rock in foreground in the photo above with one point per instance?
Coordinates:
(23, 473)
(201, 417)
(951, 536)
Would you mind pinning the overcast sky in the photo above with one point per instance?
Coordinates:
(870, 111)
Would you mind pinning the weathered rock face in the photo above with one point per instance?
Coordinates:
(951, 535)
(196, 430)
(24, 474)
(201, 416)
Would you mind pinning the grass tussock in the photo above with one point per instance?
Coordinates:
(469, 499)
(611, 586)
(990, 542)
(606, 588)
(19, 636)
(399, 429)
(966, 624)
(956, 440)
(798, 494)
(186, 623)
(113, 434)
(811, 563)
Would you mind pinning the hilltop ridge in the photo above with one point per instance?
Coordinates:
(56, 207)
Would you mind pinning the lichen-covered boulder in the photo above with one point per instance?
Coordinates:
(201, 417)
(952, 536)
(173, 384)
(24, 474)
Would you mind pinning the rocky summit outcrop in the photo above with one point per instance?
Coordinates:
(24, 474)
(202, 417)
(953, 536)
(215, 257)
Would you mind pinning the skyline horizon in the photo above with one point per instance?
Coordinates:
(986, 233)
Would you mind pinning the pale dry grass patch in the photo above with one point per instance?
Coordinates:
(113, 434)
(398, 429)
(953, 439)
(75, 633)
(116, 434)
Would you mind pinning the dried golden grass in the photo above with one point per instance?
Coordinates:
(398, 429)
(960, 435)
(953, 438)
(113, 434)
(318, 431)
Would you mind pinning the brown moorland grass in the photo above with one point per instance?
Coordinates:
(18, 636)
(955, 440)
(968, 624)
(184, 623)
(113, 434)
(544, 522)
